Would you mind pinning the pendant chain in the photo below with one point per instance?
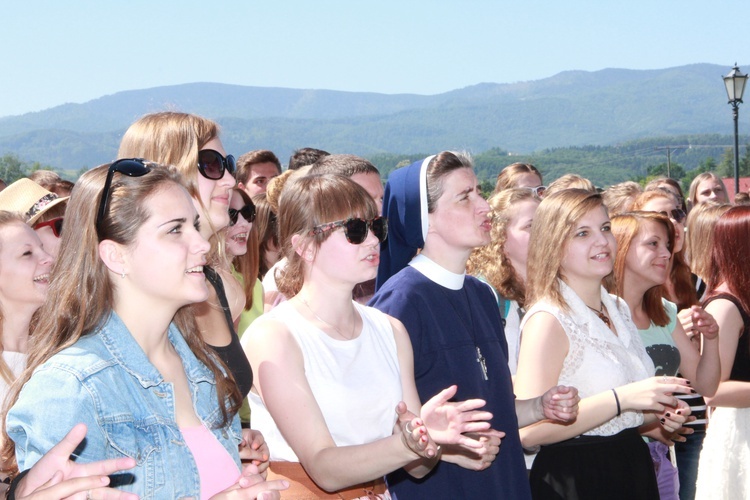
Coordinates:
(341, 334)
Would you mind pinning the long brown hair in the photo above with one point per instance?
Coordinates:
(729, 253)
(490, 261)
(307, 202)
(552, 229)
(625, 227)
(80, 296)
(679, 276)
(700, 237)
(247, 265)
(266, 227)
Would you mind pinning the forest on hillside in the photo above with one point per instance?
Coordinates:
(679, 157)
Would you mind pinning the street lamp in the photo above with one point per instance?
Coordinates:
(735, 83)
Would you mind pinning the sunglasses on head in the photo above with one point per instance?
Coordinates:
(356, 229)
(132, 167)
(56, 224)
(677, 215)
(247, 212)
(211, 164)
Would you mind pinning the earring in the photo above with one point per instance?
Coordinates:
(123, 275)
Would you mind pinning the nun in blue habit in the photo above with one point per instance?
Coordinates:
(452, 319)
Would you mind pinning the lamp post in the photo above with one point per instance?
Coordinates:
(735, 84)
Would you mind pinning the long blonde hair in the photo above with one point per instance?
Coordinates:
(175, 139)
(553, 226)
(490, 261)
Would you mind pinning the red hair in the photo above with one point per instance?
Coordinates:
(729, 253)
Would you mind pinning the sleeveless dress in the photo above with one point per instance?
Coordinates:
(356, 383)
(724, 467)
(611, 460)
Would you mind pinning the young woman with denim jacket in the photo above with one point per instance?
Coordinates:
(116, 348)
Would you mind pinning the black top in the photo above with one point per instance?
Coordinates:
(741, 366)
(232, 354)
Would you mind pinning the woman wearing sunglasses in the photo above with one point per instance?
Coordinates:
(455, 326)
(118, 342)
(518, 175)
(334, 390)
(42, 210)
(242, 249)
(192, 146)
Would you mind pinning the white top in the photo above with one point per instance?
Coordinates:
(513, 335)
(598, 360)
(16, 361)
(356, 383)
(269, 280)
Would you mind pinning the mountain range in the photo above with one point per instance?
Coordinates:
(573, 108)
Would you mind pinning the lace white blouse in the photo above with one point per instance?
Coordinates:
(597, 359)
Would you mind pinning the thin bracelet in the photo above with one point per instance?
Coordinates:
(617, 400)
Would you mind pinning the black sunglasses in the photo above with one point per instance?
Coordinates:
(677, 215)
(211, 164)
(56, 224)
(356, 229)
(247, 212)
(132, 167)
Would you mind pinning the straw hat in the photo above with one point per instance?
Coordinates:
(28, 198)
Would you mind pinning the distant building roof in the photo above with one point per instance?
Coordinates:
(729, 185)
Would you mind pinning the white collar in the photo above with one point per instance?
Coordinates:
(435, 272)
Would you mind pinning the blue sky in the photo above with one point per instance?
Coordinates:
(55, 51)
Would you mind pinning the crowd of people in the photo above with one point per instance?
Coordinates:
(181, 324)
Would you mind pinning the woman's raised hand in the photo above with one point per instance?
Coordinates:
(653, 394)
(449, 422)
(414, 433)
(56, 476)
(695, 320)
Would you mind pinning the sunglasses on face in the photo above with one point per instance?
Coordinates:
(211, 164)
(132, 167)
(56, 224)
(356, 229)
(247, 212)
(539, 190)
(676, 215)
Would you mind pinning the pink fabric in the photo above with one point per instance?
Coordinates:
(216, 468)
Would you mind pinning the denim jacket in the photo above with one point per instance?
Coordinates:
(106, 381)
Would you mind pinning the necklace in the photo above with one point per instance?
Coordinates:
(341, 334)
(601, 314)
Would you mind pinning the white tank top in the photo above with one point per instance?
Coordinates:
(356, 383)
